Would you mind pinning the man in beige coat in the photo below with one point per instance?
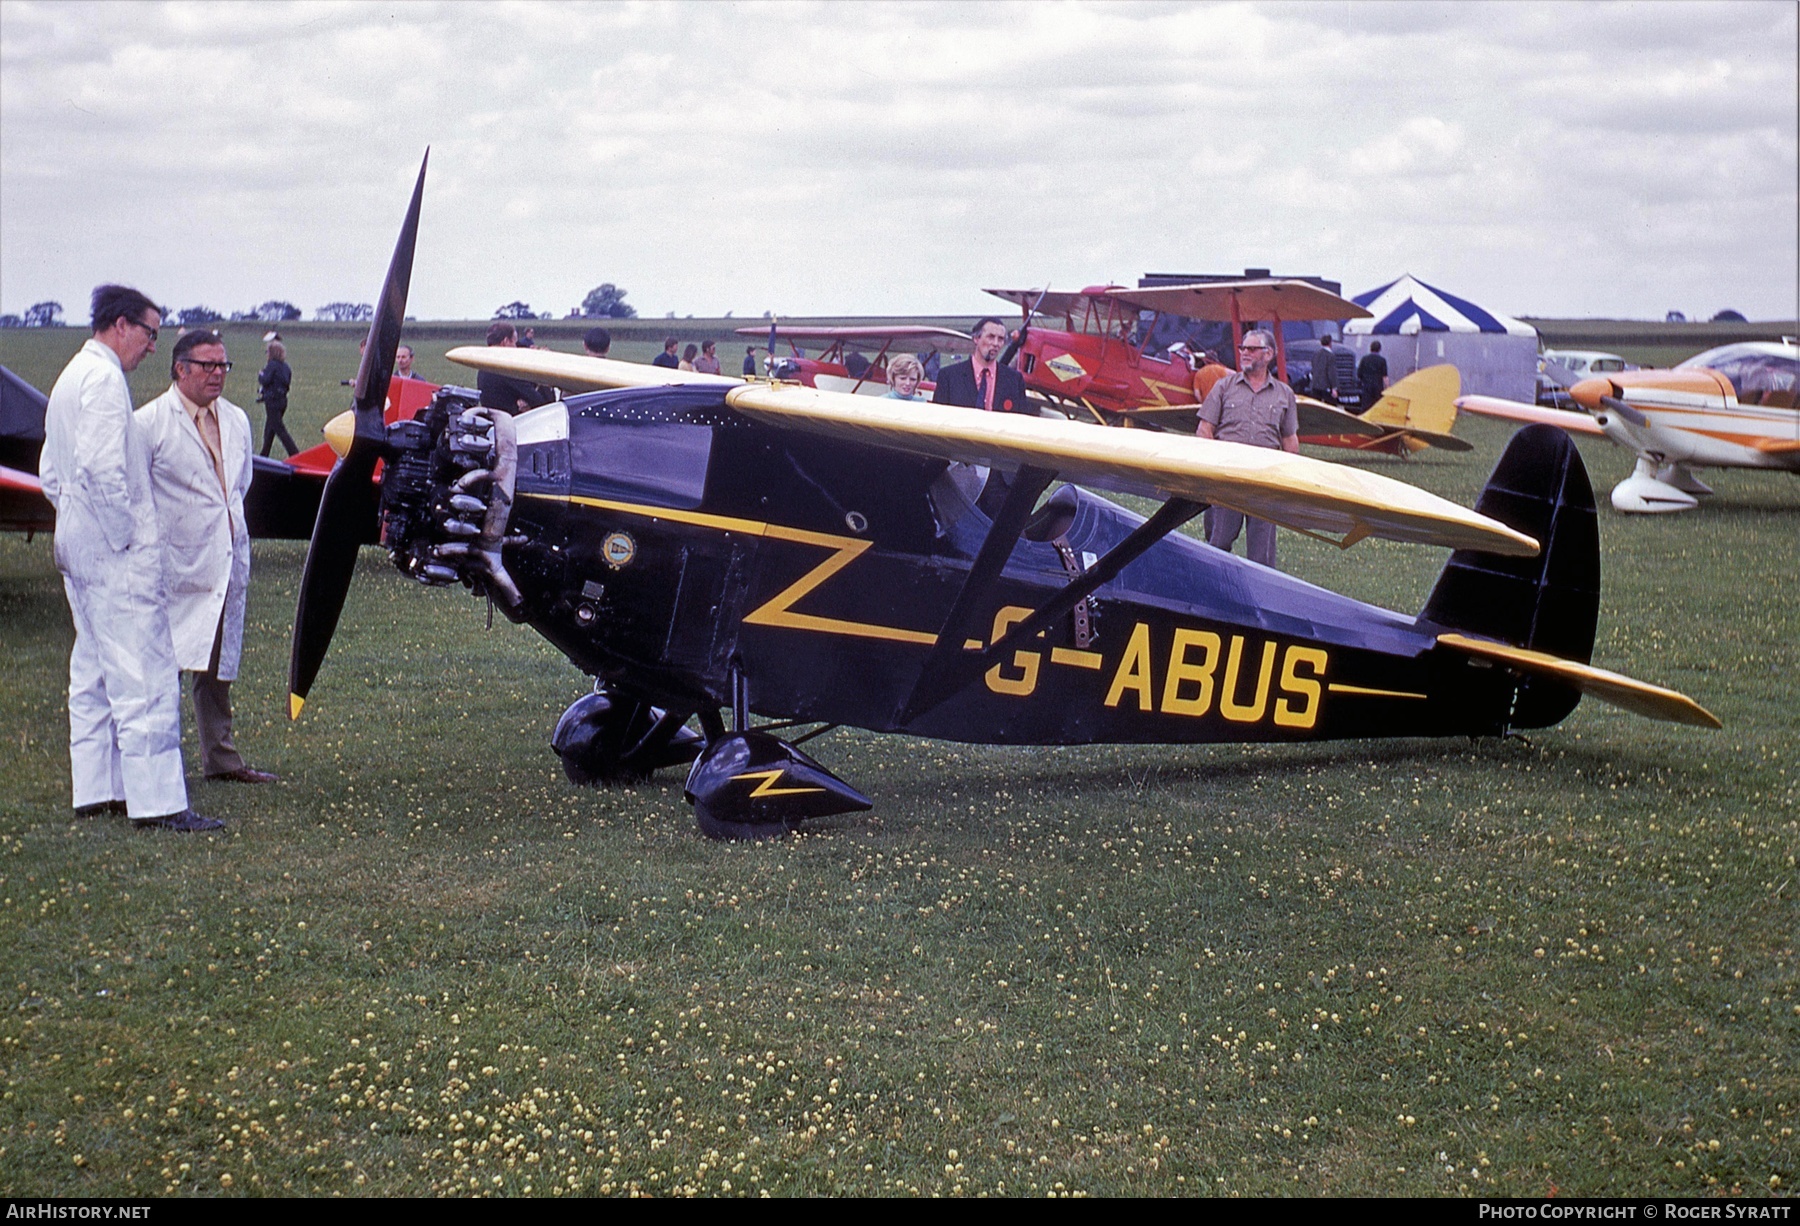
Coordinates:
(200, 467)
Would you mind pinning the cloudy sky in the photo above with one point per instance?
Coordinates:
(1555, 159)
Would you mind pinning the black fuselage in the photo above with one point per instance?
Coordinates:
(667, 538)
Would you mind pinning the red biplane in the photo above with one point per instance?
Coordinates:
(1097, 362)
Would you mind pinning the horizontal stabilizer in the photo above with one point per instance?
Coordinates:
(1638, 697)
(1444, 442)
(1320, 419)
(1529, 414)
(1317, 417)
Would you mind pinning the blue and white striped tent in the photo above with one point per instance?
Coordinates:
(1421, 325)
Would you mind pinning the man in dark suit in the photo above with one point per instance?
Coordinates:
(504, 392)
(981, 382)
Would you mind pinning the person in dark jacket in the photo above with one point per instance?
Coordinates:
(667, 356)
(504, 392)
(272, 384)
(1372, 373)
(1324, 372)
(981, 382)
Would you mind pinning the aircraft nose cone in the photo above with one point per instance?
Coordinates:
(339, 432)
(1589, 392)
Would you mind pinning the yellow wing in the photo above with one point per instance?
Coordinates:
(1528, 414)
(1295, 491)
(575, 369)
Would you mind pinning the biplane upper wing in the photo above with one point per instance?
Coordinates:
(1295, 491)
(918, 338)
(1265, 299)
(1529, 414)
(1045, 302)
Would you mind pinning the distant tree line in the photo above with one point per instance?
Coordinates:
(346, 312)
(37, 315)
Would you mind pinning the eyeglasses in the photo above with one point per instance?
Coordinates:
(1253, 349)
(209, 367)
(148, 330)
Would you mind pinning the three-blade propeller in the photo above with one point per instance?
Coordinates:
(351, 498)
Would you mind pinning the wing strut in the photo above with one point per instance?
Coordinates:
(938, 681)
(951, 669)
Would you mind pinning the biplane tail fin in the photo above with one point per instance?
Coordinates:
(1424, 400)
(1549, 603)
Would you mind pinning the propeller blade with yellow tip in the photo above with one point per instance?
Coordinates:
(351, 498)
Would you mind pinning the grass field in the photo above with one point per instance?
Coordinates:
(423, 964)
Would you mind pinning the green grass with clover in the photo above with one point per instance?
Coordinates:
(424, 964)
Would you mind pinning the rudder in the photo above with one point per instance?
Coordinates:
(1424, 400)
(1549, 603)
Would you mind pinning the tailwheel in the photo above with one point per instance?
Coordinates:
(750, 785)
(608, 738)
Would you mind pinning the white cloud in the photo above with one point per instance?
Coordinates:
(1557, 158)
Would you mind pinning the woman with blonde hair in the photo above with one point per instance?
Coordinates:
(903, 375)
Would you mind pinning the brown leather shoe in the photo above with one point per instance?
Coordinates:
(244, 774)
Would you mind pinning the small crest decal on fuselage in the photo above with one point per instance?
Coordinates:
(618, 549)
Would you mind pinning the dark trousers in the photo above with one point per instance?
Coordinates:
(274, 429)
(212, 715)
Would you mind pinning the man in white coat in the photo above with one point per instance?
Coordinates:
(200, 467)
(124, 689)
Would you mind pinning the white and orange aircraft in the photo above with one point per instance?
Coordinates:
(1730, 407)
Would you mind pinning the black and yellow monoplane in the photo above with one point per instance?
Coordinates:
(705, 546)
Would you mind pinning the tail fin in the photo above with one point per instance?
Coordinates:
(1550, 603)
(1424, 400)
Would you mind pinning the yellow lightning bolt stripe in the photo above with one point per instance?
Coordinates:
(767, 786)
(778, 610)
(1156, 387)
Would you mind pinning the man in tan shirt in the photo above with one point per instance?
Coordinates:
(200, 468)
(1255, 408)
